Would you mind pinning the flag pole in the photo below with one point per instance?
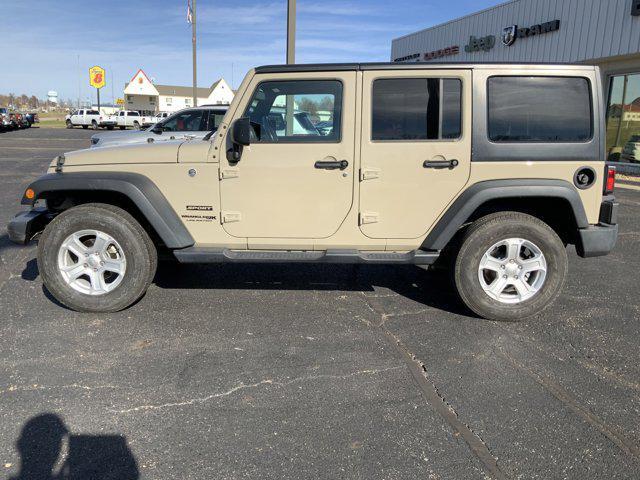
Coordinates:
(193, 40)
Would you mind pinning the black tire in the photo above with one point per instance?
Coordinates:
(110, 127)
(94, 125)
(136, 126)
(139, 250)
(121, 128)
(486, 232)
(69, 124)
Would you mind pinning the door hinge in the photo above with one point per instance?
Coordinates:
(369, 217)
(369, 173)
(229, 173)
(230, 217)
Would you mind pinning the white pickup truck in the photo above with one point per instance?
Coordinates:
(86, 118)
(129, 118)
(149, 120)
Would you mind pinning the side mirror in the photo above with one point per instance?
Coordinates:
(240, 136)
(157, 129)
(241, 132)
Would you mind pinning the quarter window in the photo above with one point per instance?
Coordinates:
(302, 111)
(540, 109)
(416, 109)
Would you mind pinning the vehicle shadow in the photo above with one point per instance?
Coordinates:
(49, 451)
(432, 288)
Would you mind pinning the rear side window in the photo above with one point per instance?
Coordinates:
(540, 109)
(416, 109)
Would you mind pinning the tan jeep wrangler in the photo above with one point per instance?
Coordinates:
(497, 166)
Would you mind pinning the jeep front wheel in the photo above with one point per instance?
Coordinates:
(510, 266)
(96, 258)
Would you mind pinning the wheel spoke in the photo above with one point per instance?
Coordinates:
(74, 271)
(101, 243)
(513, 248)
(498, 286)
(523, 288)
(489, 262)
(98, 285)
(114, 265)
(533, 265)
(75, 246)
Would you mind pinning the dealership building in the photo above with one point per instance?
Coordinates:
(596, 32)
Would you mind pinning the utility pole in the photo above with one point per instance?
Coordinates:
(79, 81)
(193, 40)
(291, 32)
(291, 59)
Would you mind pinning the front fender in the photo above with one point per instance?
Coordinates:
(139, 189)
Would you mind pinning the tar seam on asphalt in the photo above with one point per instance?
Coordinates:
(435, 400)
(623, 443)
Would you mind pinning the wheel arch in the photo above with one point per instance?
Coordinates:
(549, 200)
(121, 189)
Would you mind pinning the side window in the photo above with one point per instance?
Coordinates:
(184, 122)
(539, 109)
(213, 120)
(416, 109)
(300, 111)
(134, 114)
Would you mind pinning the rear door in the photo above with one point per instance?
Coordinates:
(416, 148)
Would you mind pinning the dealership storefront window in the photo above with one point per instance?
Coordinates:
(623, 119)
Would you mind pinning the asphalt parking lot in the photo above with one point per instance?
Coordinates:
(356, 372)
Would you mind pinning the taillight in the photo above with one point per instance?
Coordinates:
(611, 180)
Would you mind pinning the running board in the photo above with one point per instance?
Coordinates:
(217, 255)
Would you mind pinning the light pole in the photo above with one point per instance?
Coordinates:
(193, 40)
(291, 32)
(291, 59)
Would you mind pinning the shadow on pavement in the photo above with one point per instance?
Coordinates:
(48, 451)
(432, 288)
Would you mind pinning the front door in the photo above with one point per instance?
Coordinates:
(416, 148)
(296, 178)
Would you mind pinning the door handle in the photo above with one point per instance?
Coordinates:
(440, 164)
(331, 164)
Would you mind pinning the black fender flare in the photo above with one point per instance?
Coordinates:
(136, 187)
(479, 193)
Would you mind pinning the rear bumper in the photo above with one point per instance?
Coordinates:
(599, 240)
(26, 224)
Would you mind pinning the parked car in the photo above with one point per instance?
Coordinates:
(86, 118)
(32, 118)
(395, 182)
(631, 150)
(7, 119)
(195, 122)
(129, 118)
(21, 121)
(149, 120)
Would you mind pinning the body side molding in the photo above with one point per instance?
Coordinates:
(139, 189)
(478, 194)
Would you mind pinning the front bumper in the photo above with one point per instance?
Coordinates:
(25, 225)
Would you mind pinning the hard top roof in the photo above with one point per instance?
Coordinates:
(326, 67)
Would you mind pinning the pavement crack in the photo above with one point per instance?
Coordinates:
(566, 398)
(243, 386)
(36, 387)
(437, 401)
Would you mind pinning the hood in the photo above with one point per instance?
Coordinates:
(119, 134)
(165, 152)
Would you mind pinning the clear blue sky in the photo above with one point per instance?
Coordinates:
(42, 38)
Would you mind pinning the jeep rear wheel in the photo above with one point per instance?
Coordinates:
(510, 266)
(96, 258)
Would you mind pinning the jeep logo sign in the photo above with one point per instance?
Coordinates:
(482, 43)
(510, 34)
